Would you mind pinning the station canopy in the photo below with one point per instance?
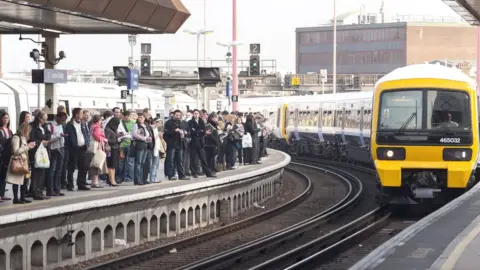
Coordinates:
(92, 16)
(469, 10)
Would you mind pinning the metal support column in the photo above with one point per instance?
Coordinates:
(50, 89)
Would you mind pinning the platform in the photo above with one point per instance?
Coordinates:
(447, 239)
(108, 196)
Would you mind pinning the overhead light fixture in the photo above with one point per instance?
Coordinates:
(53, 31)
(22, 25)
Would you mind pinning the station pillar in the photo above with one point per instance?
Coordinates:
(51, 98)
(168, 94)
(206, 99)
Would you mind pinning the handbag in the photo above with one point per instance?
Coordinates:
(98, 159)
(18, 165)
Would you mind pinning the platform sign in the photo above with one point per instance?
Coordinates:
(255, 48)
(228, 91)
(124, 94)
(132, 79)
(295, 81)
(234, 98)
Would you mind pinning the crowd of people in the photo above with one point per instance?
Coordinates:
(40, 159)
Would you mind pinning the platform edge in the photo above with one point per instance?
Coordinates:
(378, 255)
(36, 214)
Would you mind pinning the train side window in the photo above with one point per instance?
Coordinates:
(291, 118)
(339, 118)
(348, 118)
(367, 118)
(315, 115)
(325, 119)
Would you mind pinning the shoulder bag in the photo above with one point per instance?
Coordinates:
(18, 165)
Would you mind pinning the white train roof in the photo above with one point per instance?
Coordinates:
(427, 71)
(306, 99)
(90, 90)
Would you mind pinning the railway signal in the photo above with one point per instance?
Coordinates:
(254, 65)
(145, 69)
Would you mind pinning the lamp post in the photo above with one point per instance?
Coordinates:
(198, 34)
(334, 46)
(132, 40)
(229, 45)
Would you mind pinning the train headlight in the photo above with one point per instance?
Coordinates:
(397, 153)
(457, 154)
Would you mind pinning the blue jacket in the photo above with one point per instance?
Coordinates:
(71, 141)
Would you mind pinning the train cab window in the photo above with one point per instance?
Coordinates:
(448, 109)
(425, 109)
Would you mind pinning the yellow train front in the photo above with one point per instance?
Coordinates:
(424, 138)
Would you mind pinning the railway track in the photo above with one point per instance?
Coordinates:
(164, 252)
(311, 239)
(303, 245)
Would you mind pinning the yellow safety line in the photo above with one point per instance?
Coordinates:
(460, 248)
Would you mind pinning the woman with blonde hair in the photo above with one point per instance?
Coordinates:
(20, 148)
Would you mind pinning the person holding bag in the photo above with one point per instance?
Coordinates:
(40, 136)
(98, 164)
(18, 169)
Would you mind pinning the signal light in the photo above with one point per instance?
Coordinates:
(145, 69)
(254, 65)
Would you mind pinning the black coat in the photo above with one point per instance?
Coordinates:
(197, 133)
(171, 137)
(37, 136)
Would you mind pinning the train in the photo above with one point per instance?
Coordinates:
(417, 129)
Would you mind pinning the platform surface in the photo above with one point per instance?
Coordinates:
(447, 239)
(127, 192)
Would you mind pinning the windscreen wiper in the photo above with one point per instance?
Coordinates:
(406, 123)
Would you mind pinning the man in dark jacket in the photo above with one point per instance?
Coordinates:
(77, 142)
(174, 136)
(187, 141)
(197, 151)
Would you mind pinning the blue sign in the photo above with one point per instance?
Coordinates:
(229, 89)
(132, 79)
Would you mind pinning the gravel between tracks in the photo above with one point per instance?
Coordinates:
(366, 204)
(348, 258)
(327, 192)
(290, 189)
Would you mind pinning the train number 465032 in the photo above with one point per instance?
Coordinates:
(450, 140)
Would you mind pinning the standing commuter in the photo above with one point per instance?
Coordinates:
(187, 142)
(198, 131)
(174, 136)
(57, 154)
(126, 159)
(140, 137)
(212, 141)
(77, 144)
(5, 138)
(40, 135)
(156, 151)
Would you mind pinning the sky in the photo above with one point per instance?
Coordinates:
(271, 23)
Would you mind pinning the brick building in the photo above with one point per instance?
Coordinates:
(379, 48)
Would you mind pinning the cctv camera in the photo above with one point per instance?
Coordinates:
(35, 54)
(229, 78)
(62, 55)
(229, 54)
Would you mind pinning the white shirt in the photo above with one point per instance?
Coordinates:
(57, 140)
(157, 141)
(78, 129)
